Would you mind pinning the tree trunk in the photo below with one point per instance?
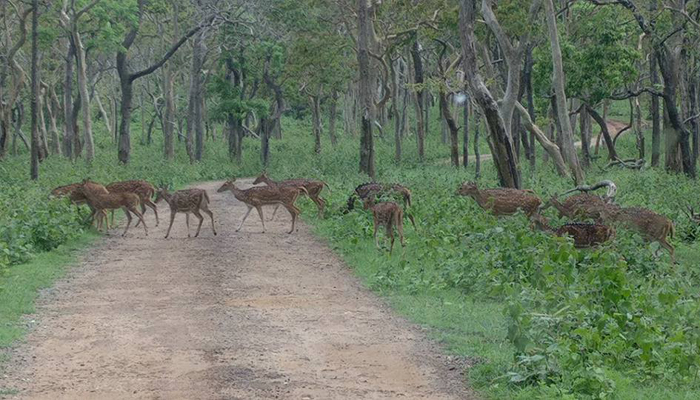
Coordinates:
(89, 144)
(638, 127)
(585, 123)
(419, 100)
(527, 82)
(395, 111)
(503, 153)
(104, 114)
(612, 154)
(465, 132)
(124, 151)
(477, 153)
(34, 165)
(453, 129)
(569, 149)
(52, 110)
(44, 143)
(68, 124)
(265, 131)
(333, 114)
(366, 101)
(315, 103)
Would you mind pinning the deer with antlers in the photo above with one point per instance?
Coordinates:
(584, 205)
(501, 201)
(186, 201)
(259, 196)
(100, 201)
(313, 187)
(584, 234)
(143, 189)
(389, 215)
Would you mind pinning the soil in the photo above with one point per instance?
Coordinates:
(240, 315)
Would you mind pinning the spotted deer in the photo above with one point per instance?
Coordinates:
(584, 205)
(101, 202)
(373, 190)
(389, 215)
(585, 235)
(314, 187)
(651, 226)
(501, 201)
(77, 197)
(143, 189)
(259, 196)
(186, 201)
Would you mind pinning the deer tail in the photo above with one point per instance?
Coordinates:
(205, 196)
(410, 218)
(326, 185)
(408, 198)
(672, 230)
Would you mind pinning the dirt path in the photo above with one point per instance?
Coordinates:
(237, 316)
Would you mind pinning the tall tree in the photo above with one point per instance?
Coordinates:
(34, 165)
(366, 101)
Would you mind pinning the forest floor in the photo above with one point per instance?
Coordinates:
(239, 315)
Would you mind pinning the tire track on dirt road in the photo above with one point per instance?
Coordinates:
(237, 316)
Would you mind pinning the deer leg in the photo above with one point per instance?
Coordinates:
(172, 218)
(274, 212)
(399, 229)
(376, 225)
(201, 220)
(112, 219)
(187, 222)
(128, 220)
(294, 212)
(244, 218)
(211, 215)
(140, 217)
(670, 249)
(153, 207)
(260, 213)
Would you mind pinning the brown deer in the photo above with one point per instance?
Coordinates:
(186, 201)
(314, 187)
(651, 226)
(77, 197)
(372, 190)
(387, 214)
(259, 196)
(585, 235)
(502, 201)
(584, 205)
(143, 189)
(101, 202)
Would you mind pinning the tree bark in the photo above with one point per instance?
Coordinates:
(569, 149)
(419, 100)
(503, 151)
(88, 141)
(366, 101)
(612, 154)
(34, 164)
(453, 129)
(332, 116)
(315, 103)
(465, 132)
(585, 124)
(68, 124)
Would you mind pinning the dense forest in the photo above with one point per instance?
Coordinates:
(536, 94)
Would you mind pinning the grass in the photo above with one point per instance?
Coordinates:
(21, 284)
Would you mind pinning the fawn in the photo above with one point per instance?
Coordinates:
(501, 201)
(314, 187)
(256, 197)
(372, 190)
(388, 215)
(100, 201)
(584, 234)
(186, 201)
(143, 189)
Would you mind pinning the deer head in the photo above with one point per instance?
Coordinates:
(262, 178)
(228, 185)
(468, 189)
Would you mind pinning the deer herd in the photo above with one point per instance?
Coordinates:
(594, 216)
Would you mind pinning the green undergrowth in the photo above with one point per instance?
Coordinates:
(531, 315)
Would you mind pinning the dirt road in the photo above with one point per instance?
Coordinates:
(237, 316)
